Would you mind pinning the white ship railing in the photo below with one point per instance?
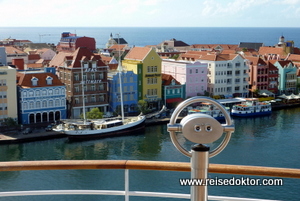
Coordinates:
(137, 165)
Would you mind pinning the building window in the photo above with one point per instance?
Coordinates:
(37, 93)
(76, 100)
(34, 81)
(49, 80)
(76, 77)
(31, 105)
(38, 104)
(44, 104)
(25, 106)
(92, 76)
(57, 103)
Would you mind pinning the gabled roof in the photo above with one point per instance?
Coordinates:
(81, 53)
(167, 79)
(138, 53)
(24, 80)
(284, 63)
(256, 61)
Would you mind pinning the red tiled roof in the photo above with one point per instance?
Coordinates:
(272, 50)
(293, 57)
(117, 47)
(81, 53)
(256, 60)
(213, 46)
(167, 79)
(138, 53)
(24, 80)
(219, 57)
(13, 50)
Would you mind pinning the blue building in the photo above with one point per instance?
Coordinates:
(41, 98)
(130, 92)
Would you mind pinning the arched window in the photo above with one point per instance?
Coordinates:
(44, 104)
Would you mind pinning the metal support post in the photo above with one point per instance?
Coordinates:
(199, 170)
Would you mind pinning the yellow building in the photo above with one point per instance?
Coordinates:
(146, 63)
(8, 91)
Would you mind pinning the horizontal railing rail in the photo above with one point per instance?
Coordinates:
(137, 165)
(147, 165)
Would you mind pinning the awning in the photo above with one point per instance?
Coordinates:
(173, 100)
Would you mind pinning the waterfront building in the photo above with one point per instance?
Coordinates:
(113, 41)
(258, 74)
(8, 93)
(70, 42)
(15, 53)
(42, 97)
(287, 76)
(273, 78)
(191, 74)
(146, 63)
(129, 89)
(227, 74)
(70, 67)
(173, 91)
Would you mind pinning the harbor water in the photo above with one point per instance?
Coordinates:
(261, 141)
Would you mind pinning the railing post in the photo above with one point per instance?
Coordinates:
(199, 171)
(126, 185)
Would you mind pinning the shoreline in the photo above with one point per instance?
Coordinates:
(13, 137)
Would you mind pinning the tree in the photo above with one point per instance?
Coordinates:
(143, 106)
(93, 114)
(9, 122)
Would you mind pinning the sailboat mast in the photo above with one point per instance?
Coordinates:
(83, 97)
(120, 69)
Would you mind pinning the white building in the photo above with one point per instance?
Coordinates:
(227, 74)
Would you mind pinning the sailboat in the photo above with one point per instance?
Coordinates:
(87, 129)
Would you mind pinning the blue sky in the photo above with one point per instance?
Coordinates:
(150, 13)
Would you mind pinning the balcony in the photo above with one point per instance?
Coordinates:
(128, 165)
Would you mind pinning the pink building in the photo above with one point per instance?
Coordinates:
(191, 74)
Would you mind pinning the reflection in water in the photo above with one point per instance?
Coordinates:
(262, 141)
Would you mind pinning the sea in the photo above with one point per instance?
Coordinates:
(142, 36)
(271, 141)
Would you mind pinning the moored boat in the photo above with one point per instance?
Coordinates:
(251, 107)
(100, 128)
(209, 109)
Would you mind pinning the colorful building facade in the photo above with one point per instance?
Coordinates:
(146, 63)
(129, 89)
(42, 98)
(8, 94)
(189, 73)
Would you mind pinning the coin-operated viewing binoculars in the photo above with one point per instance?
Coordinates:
(201, 129)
